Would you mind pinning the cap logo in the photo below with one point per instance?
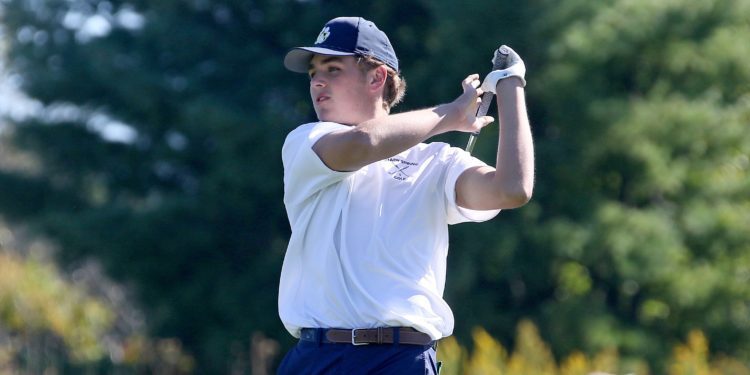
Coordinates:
(323, 35)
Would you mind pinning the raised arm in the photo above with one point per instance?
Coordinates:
(511, 182)
(384, 136)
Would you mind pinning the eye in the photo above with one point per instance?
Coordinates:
(332, 69)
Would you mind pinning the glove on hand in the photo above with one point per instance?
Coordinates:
(514, 67)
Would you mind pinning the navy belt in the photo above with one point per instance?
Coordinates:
(365, 336)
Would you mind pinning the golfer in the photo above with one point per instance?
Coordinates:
(369, 204)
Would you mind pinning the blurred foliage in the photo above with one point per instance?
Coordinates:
(50, 324)
(155, 151)
(641, 140)
(33, 299)
(533, 356)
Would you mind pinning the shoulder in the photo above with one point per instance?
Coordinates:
(314, 129)
(311, 131)
(318, 126)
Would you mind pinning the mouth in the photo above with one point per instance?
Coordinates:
(322, 98)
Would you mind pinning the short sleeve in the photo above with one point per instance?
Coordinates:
(304, 172)
(460, 161)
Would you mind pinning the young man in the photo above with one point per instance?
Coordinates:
(369, 204)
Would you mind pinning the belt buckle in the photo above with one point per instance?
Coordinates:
(354, 332)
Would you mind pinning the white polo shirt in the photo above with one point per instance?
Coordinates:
(368, 248)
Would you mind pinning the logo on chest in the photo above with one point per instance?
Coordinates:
(401, 169)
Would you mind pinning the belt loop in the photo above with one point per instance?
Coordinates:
(396, 336)
(320, 336)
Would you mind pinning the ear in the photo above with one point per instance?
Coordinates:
(377, 77)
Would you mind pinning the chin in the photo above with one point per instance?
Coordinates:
(323, 116)
(330, 118)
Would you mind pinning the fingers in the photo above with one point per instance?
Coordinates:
(467, 103)
(479, 93)
(483, 121)
(471, 82)
(470, 78)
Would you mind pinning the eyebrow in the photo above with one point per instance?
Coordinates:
(325, 60)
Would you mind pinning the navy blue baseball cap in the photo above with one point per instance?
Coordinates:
(344, 36)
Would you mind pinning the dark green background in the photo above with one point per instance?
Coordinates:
(636, 234)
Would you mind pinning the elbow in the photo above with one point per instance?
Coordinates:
(524, 198)
(517, 191)
(512, 187)
(516, 196)
(518, 199)
(362, 148)
(527, 192)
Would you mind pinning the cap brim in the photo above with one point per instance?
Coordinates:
(298, 59)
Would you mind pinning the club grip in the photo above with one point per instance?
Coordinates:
(499, 61)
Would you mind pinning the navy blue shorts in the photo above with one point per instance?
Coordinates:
(310, 358)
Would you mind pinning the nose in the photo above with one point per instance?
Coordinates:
(317, 81)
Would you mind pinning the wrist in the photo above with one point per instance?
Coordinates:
(495, 77)
(510, 82)
(447, 114)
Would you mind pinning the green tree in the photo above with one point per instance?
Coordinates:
(637, 232)
(158, 143)
(158, 150)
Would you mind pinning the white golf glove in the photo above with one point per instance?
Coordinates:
(514, 67)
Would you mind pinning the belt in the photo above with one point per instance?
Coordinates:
(388, 335)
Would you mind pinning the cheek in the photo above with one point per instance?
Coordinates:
(355, 93)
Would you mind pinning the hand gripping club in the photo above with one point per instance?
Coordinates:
(499, 60)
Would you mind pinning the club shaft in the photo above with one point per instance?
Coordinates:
(484, 107)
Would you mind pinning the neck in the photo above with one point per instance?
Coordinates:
(377, 111)
(370, 113)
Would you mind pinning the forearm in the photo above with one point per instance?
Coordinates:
(382, 137)
(511, 183)
(387, 136)
(514, 168)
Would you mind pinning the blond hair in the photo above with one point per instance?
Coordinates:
(395, 85)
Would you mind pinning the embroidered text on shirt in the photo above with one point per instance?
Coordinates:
(398, 172)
